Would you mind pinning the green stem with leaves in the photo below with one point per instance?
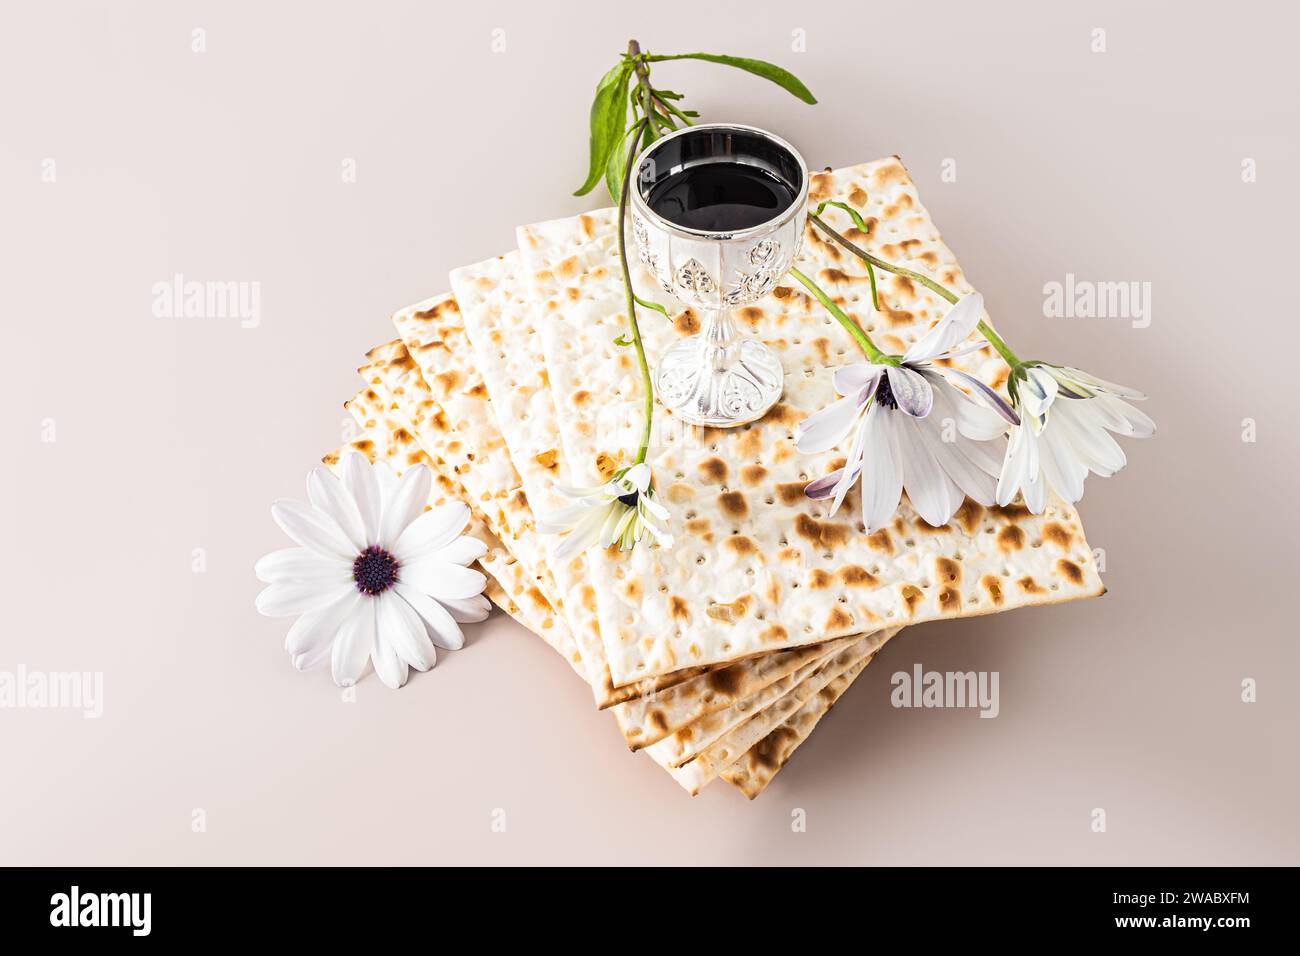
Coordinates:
(627, 85)
(646, 384)
(985, 329)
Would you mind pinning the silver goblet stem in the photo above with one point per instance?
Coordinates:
(719, 336)
(719, 377)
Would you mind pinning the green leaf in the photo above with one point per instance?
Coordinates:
(608, 114)
(647, 304)
(770, 71)
(615, 165)
(623, 340)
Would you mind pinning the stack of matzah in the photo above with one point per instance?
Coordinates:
(717, 657)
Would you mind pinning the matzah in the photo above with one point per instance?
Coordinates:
(758, 566)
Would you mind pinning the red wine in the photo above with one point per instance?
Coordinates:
(720, 197)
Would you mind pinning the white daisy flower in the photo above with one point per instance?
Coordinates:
(1065, 419)
(617, 512)
(375, 576)
(897, 415)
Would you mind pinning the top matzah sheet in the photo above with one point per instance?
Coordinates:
(462, 425)
(757, 566)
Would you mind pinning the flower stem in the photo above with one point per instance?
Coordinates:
(647, 385)
(986, 330)
(864, 341)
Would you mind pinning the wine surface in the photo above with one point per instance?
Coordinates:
(720, 197)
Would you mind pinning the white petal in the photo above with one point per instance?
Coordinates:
(462, 551)
(882, 478)
(1089, 438)
(923, 479)
(299, 564)
(392, 670)
(954, 457)
(1139, 424)
(1014, 465)
(1037, 390)
(624, 523)
(1035, 492)
(991, 398)
(1107, 415)
(912, 391)
(654, 507)
(660, 534)
(584, 534)
(955, 326)
(827, 485)
(443, 628)
(440, 579)
(1061, 467)
(638, 476)
(468, 610)
(977, 422)
(1092, 381)
(387, 481)
(596, 491)
(408, 501)
(312, 529)
(854, 379)
(974, 420)
(1069, 457)
(964, 350)
(317, 629)
(825, 429)
(355, 641)
(1034, 464)
(614, 517)
(562, 519)
(853, 464)
(362, 483)
(318, 654)
(327, 494)
(297, 597)
(432, 530)
(402, 629)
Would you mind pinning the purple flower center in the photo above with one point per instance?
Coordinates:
(885, 394)
(374, 571)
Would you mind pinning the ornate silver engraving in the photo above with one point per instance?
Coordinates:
(764, 252)
(676, 382)
(692, 277)
(750, 286)
(641, 238)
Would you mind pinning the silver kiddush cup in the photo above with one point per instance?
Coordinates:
(718, 377)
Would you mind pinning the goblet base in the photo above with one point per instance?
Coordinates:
(704, 384)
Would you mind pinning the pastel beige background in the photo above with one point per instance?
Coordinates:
(176, 434)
